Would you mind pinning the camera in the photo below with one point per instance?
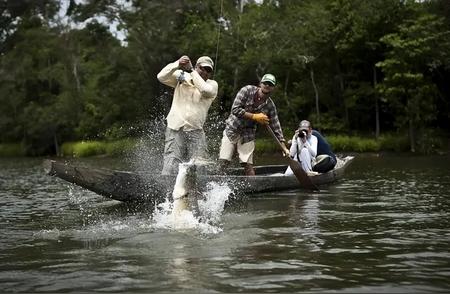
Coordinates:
(302, 134)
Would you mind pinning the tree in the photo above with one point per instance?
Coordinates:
(68, 78)
(420, 45)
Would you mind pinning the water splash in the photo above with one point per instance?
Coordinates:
(181, 215)
(149, 148)
(146, 156)
(212, 206)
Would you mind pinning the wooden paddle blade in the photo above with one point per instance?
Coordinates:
(301, 175)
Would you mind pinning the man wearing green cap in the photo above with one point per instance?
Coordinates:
(251, 106)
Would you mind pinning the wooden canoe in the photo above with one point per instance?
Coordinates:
(130, 186)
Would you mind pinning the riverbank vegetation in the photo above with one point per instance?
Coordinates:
(371, 75)
(339, 143)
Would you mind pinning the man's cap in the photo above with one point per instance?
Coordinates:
(205, 61)
(270, 78)
(304, 125)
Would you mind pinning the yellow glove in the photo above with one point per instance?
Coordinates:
(260, 118)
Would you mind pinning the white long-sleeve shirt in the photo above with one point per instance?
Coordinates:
(191, 98)
(307, 159)
(297, 145)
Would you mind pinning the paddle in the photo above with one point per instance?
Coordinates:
(299, 173)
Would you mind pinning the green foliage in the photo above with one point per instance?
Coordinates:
(93, 148)
(67, 149)
(120, 147)
(388, 142)
(430, 141)
(83, 149)
(394, 142)
(339, 143)
(353, 144)
(419, 46)
(343, 143)
(11, 150)
(62, 84)
(265, 145)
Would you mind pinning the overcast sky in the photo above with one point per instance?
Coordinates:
(111, 24)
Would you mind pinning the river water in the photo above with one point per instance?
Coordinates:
(385, 227)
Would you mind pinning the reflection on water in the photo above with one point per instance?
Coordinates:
(384, 228)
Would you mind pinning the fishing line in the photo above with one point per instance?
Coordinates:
(218, 35)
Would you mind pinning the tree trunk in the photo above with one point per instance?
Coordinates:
(286, 98)
(49, 78)
(377, 109)
(235, 79)
(75, 73)
(236, 69)
(341, 94)
(55, 141)
(316, 93)
(412, 140)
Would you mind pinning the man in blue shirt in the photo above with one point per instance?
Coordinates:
(325, 159)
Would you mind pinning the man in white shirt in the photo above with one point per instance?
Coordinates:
(194, 93)
(304, 147)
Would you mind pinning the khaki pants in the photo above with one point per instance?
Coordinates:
(245, 151)
(181, 146)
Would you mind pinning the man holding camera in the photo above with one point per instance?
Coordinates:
(303, 148)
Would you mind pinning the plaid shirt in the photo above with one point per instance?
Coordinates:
(237, 125)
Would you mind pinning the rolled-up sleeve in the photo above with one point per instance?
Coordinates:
(274, 121)
(238, 107)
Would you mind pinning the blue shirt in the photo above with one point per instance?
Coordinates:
(322, 145)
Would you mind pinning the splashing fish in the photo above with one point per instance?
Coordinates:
(185, 193)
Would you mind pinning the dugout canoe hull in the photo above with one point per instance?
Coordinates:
(130, 186)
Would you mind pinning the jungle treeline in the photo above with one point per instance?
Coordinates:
(349, 66)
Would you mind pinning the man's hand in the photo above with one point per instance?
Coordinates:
(185, 63)
(181, 78)
(260, 118)
(303, 137)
